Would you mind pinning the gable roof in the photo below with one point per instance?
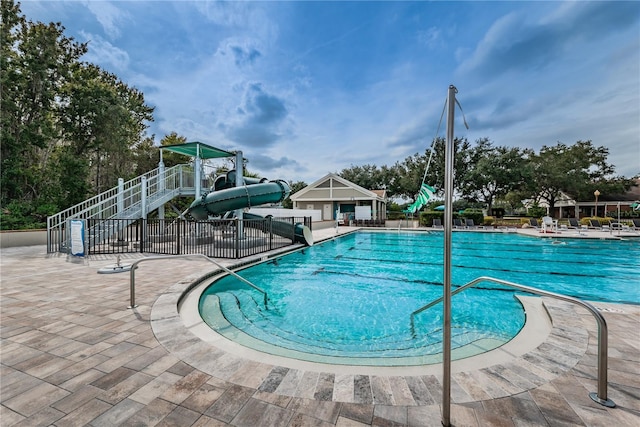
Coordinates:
(307, 192)
(381, 193)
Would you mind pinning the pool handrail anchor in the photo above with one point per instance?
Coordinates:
(603, 335)
(134, 266)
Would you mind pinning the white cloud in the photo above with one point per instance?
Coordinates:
(249, 16)
(109, 16)
(432, 37)
(104, 53)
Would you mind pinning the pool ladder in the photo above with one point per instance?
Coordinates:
(134, 266)
(601, 395)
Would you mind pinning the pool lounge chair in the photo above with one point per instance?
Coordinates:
(457, 223)
(437, 223)
(575, 224)
(594, 223)
(534, 223)
(470, 223)
(636, 223)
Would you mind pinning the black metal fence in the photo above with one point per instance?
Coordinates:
(221, 238)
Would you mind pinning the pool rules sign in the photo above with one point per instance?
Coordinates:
(77, 237)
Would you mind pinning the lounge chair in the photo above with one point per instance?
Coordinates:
(470, 223)
(636, 223)
(594, 223)
(534, 223)
(575, 224)
(437, 223)
(457, 223)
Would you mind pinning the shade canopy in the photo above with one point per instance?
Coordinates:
(198, 149)
(439, 208)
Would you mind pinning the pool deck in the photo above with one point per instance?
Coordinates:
(72, 354)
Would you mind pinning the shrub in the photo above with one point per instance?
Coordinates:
(427, 217)
(603, 221)
(475, 214)
(395, 215)
(536, 211)
(23, 216)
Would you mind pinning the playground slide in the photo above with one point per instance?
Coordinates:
(255, 192)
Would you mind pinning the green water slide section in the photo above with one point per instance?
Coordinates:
(302, 234)
(254, 192)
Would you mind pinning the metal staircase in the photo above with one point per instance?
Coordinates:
(131, 200)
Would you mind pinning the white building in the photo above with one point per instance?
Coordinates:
(341, 199)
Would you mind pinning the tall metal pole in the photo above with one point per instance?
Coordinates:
(448, 228)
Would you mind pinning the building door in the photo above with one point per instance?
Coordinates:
(326, 212)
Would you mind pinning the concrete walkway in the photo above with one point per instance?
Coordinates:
(73, 354)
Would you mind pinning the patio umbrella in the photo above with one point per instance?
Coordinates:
(439, 208)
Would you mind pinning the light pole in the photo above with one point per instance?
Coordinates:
(596, 193)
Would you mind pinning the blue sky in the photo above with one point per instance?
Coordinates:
(308, 88)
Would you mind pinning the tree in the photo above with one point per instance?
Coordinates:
(102, 119)
(366, 176)
(295, 187)
(575, 170)
(170, 158)
(496, 171)
(147, 154)
(36, 60)
(410, 173)
(403, 179)
(67, 126)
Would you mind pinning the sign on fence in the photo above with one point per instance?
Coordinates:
(77, 237)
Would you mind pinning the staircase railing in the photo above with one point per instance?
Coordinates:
(123, 201)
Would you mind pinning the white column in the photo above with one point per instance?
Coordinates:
(120, 202)
(161, 185)
(239, 183)
(120, 205)
(143, 196)
(197, 166)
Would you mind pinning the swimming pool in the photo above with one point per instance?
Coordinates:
(351, 298)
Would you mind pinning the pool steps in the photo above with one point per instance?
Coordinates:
(279, 342)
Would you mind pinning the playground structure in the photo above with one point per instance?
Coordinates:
(116, 220)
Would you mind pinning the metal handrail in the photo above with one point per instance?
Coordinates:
(601, 395)
(134, 266)
(105, 205)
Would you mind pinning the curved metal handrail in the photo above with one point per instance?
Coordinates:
(134, 266)
(601, 395)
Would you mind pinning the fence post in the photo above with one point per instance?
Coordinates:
(139, 228)
(237, 237)
(178, 230)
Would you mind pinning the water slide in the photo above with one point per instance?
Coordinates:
(227, 197)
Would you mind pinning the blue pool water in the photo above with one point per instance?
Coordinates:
(352, 297)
